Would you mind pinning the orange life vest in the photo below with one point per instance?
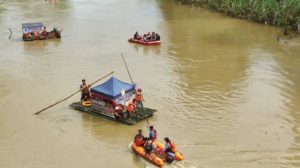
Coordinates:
(138, 96)
(172, 147)
(130, 107)
(139, 140)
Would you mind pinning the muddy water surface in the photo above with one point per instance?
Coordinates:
(226, 91)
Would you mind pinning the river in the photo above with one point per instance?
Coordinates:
(226, 91)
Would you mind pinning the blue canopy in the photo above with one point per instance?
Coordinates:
(112, 88)
(31, 27)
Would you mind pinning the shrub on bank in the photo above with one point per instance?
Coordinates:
(284, 13)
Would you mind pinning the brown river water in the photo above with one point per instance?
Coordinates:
(226, 91)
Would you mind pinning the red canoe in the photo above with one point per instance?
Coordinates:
(132, 40)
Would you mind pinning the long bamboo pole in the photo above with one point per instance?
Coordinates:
(71, 95)
(131, 82)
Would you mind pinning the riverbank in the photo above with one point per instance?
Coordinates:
(282, 13)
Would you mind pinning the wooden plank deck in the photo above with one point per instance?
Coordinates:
(142, 114)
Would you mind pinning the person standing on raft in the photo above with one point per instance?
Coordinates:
(131, 107)
(85, 90)
(139, 98)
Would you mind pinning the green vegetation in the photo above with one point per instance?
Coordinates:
(283, 13)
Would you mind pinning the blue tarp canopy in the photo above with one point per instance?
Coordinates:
(112, 88)
(31, 27)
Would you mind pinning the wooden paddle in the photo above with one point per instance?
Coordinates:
(71, 95)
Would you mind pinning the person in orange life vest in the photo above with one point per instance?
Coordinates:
(85, 90)
(139, 97)
(169, 148)
(152, 133)
(131, 108)
(139, 139)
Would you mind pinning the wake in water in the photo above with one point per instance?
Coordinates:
(181, 164)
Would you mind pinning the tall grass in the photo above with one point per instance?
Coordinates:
(284, 13)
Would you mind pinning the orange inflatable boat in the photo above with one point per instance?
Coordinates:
(155, 158)
(132, 40)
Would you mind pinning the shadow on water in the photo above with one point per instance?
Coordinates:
(39, 47)
(118, 133)
(146, 50)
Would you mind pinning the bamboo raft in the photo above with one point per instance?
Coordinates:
(140, 115)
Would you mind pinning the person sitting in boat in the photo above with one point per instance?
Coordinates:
(44, 32)
(28, 35)
(147, 37)
(149, 147)
(137, 36)
(139, 139)
(85, 90)
(36, 34)
(153, 36)
(169, 149)
(139, 98)
(131, 107)
(152, 133)
(118, 113)
(157, 37)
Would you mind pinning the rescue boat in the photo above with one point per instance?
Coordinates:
(132, 40)
(31, 32)
(157, 158)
